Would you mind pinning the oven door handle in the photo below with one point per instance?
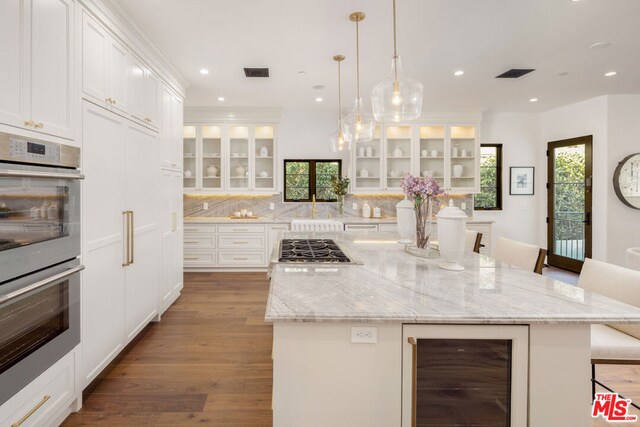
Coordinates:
(37, 174)
(13, 295)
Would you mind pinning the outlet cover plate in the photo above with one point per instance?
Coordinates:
(205, 206)
(364, 335)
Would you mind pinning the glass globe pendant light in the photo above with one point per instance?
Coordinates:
(338, 140)
(358, 125)
(397, 98)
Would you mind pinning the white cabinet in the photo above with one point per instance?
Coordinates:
(145, 92)
(120, 283)
(47, 400)
(171, 113)
(36, 81)
(230, 158)
(450, 153)
(171, 281)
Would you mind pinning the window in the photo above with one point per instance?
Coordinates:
(305, 178)
(490, 196)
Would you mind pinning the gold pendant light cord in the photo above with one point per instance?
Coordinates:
(395, 44)
(339, 98)
(358, 66)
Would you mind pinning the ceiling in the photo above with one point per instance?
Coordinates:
(435, 38)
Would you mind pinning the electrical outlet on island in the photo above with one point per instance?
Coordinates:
(355, 206)
(205, 206)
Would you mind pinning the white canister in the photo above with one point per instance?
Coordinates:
(397, 152)
(458, 170)
(425, 153)
(454, 151)
(240, 171)
(377, 213)
(434, 153)
(463, 153)
(452, 223)
(212, 170)
(361, 151)
(369, 152)
(366, 210)
(406, 220)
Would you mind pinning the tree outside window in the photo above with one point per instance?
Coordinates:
(305, 178)
(490, 196)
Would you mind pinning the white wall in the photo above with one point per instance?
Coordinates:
(519, 135)
(623, 225)
(583, 118)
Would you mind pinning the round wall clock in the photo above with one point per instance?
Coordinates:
(626, 181)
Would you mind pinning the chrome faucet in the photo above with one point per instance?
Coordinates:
(313, 207)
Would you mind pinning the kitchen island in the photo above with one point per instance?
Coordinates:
(348, 339)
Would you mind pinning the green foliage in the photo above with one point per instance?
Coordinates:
(340, 186)
(488, 198)
(569, 193)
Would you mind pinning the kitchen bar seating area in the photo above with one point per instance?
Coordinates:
(262, 214)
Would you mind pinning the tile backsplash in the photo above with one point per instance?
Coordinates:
(259, 205)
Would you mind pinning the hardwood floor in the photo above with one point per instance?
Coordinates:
(208, 363)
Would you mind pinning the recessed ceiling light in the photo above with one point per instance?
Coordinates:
(302, 73)
(232, 115)
(600, 45)
(610, 74)
(458, 73)
(533, 99)
(204, 71)
(564, 73)
(318, 99)
(221, 98)
(318, 87)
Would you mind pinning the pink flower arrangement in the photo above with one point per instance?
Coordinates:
(420, 189)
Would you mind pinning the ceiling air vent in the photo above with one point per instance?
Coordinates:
(515, 73)
(256, 72)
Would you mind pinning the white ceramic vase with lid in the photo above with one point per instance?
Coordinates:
(397, 152)
(452, 222)
(364, 173)
(264, 152)
(240, 171)
(212, 170)
(406, 220)
(366, 210)
(369, 152)
(458, 170)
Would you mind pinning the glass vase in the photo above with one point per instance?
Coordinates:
(423, 209)
(340, 204)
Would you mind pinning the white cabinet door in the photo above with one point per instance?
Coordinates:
(102, 204)
(177, 120)
(95, 45)
(171, 280)
(12, 73)
(166, 129)
(137, 81)
(141, 197)
(178, 232)
(51, 66)
(152, 99)
(119, 63)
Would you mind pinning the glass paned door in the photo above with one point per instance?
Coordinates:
(264, 157)
(463, 157)
(367, 162)
(569, 203)
(398, 154)
(432, 152)
(189, 156)
(239, 157)
(211, 157)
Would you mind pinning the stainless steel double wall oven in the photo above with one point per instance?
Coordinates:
(39, 257)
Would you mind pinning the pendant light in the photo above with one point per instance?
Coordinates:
(358, 125)
(396, 98)
(338, 140)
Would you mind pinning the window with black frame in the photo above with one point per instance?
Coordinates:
(490, 196)
(304, 179)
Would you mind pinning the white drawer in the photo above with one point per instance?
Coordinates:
(199, 258)
(241, 241)
(388, 227)
(43, 398)
(242, 228)
(206, 241)
(199, 228)
(351, 227)
(231, 258)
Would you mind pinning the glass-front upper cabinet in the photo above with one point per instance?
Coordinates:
(464, 159)
(431, 152)
(398, 154)
(264, 157)
(239, 157)
(189, 146)
(212, 166)
(368, 163)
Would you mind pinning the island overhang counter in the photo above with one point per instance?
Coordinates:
(325, 375)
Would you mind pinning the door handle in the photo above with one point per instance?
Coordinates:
(128, 258)
(587, 218)
(133, 238)
(414, 379)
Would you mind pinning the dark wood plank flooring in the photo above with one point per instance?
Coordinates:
(209, 363)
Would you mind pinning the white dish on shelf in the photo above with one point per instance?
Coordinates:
(235, 154)
(188, 154)
(211, 154)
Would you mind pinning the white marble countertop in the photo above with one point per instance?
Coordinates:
(393, 286)
(269, 220)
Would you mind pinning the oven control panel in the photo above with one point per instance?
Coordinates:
(20, 149)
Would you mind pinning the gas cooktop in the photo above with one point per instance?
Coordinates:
(312, 250)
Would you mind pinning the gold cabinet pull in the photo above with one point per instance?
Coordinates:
(240, 243)
(113, 101)
(191, 242)
(240, 259)
(29, 123)
(31, 412)
(191, 258)
(132, 234)
(38, 125)
(125, 214)
(414, 379)
(108, 100)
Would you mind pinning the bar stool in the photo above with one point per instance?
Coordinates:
(523, 255)
(633, 258)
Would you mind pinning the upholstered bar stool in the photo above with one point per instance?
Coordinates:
(472, 241)
(523, 255)
(616, 344)
(633, 258)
